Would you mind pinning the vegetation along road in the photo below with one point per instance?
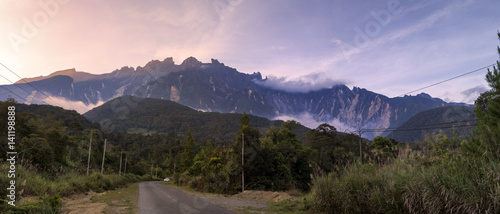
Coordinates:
(157, 198)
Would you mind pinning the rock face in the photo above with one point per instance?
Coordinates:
(219, 88)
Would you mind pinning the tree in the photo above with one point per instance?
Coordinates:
(321, 136)
(37, 151)
(484, 140)
(244, 120)
(380, 142)
(189, 151)
(328, 148)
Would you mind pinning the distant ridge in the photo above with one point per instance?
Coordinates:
(427, 123)
(77, 76)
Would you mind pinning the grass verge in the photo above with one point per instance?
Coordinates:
(124, 200)
(48, 189)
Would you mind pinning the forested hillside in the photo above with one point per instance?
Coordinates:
(147, 115)
(427, 123)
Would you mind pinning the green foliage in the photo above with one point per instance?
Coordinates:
(189, 153)
(332, 150)
(49, 188)
(45, 204)
(452, 184)
(380, 142)
(37, 151)
(484, 141)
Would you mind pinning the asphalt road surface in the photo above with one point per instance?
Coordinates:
(157, 198)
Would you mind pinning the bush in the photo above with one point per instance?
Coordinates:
(452, 184)
(46, 204)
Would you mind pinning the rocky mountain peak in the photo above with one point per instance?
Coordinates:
(257, 76)
(190, 62)
(153, 63)
(424, 95)
(168, 60)
(216, 62)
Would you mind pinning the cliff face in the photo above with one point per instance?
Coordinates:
(219, 88)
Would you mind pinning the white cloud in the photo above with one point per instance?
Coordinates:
(471, 94)
(78, 106)
(304, 84)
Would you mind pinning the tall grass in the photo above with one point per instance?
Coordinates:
(412, 183)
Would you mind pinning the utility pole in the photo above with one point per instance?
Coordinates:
(125, 172)
(156, 170)
(151, 169)
(242, 162)
(360, 152)
(90, 147)
(80, 155)
(120, 170)
(103, 156)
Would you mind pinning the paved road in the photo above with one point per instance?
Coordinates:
(157, 198)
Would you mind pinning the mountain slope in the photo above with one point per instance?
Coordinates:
(426, 123)
(146, 115)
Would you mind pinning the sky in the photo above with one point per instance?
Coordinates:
(387, 46)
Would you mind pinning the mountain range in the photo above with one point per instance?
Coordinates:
(215, 87)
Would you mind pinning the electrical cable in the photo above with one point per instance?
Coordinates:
(13, 93)
(30, 84)
(21, 89)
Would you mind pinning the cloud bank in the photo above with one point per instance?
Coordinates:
(471, 94)
(78, 106)
(304, 84)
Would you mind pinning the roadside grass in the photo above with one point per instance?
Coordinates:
(48, 189)
(123, 200)
(282, 207)
(415, 184)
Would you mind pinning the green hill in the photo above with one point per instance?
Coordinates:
(429, 122)
(147, 115)
(71, 119)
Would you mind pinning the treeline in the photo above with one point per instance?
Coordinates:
(275, 160)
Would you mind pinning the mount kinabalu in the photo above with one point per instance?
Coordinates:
(216, 87)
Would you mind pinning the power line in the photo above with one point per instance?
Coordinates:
(433, 124)
(431, 128)
(12, 93)
(21, 89)
(423, 128)
(30, 84)
(410, 129)
(441, 82)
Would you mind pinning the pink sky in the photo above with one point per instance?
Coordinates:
(427, 41)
